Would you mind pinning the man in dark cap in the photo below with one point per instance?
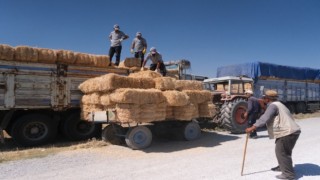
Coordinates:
(281, 126)
(116, 37)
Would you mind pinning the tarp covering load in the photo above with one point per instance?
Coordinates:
(262, 70)
(141, 99)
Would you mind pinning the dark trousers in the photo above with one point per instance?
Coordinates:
(284, 147)
(117, 50)
(252, 118)
(163, 70)
(140, 55)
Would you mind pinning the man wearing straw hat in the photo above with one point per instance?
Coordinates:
(281, 126)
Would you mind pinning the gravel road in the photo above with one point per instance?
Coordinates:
(215, 156)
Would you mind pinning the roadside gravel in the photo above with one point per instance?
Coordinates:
(215, 156)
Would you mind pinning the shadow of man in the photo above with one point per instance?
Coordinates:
(306, 170)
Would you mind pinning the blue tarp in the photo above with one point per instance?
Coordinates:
(259, 69)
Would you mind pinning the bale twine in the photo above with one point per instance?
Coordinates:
(66, 57)
(184, 113)
(145, 74)
(127, 113)
(207, 109)
(188, 85)
(197, 97)
(47, 56)
(137, 96)
(6, 52)
(26, 53)
(176, 98)
(164, 83)
(93, 98)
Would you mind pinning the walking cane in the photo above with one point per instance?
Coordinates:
(244, 153)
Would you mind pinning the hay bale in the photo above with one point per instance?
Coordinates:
(113, 81)
(105, 100)
(82, 59)
(173, 73)
(197, 97)
(87, 108)
(6, 52)
(100, 60)
(127, 113)
(26, 53)
(137, 96)
(184, 113)
(195, 112)
(176, 98)
(148, 112)
(47, 56)
(66, 57)
(164, 83)
(188, 85)
(207, 109)
(161, 111)
(131, 62)
(93, 98)
(169, 113)
(145, 74)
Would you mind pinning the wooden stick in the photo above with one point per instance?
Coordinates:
(244, 154)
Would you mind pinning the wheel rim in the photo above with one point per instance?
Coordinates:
(35, 131)
(140, 137)
(239, 115)
(191, 131)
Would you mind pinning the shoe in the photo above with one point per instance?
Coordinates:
(253, 137)
(281, 176)
(275, 168)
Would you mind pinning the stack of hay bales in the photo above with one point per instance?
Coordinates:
(51, 56)
(146, 96)
(131, 63)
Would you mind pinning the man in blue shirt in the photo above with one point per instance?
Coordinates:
(116, 37)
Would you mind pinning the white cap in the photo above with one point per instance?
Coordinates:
(248, 91)
(116, 26)
(153, 50)
(138, 34)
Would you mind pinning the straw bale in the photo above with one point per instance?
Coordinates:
(135, 69)
(87, 108)
(207, 109)
(169, 112)
(195, 113)
(184, 112)
(47, 56)
(137, 96)
(65, 56)
(26, 53)
(132, 62)
(105, 100)
(82, 59)
(188, 85)
(128, 112)
(93, 98)
(164, 83)
(176, 98)
(161, 111)
(6, 52)
(173, 73)
(145, 74)
(197, 97)
(101, 60)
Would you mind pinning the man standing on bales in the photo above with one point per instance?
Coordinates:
(139, 46)
(156, 62)
(116, 37)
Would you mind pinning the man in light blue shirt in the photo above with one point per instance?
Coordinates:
(139, 46)
(156, 61)
(116, 37)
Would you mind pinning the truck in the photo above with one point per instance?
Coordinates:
(298, 89)
(39, 101)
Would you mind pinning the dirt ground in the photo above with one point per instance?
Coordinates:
(216, 155)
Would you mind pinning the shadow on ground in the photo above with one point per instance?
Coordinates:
(307, 169)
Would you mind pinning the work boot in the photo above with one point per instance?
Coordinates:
(281, 176)
(276, 169)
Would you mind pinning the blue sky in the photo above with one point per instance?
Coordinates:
(209, 33)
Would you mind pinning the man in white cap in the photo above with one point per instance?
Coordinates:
(139, 46)
(253, 111)
(116, 37)
(281, 126)
(156, 61)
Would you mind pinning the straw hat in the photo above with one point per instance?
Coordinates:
(271, 94)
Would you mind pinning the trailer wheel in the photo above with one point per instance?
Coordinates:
(76, 129)
(113, 133)
(301, 107)
(139, 137)
(33, 130)
(191, 131)
(232, 116)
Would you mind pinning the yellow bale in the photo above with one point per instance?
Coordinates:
(100, 60)
(137, 96)
(188, 85)
(105, 100)
(26, 53)
(176, 98)
(93, 98)
(131, 62)
(207, 109)
(164, 83)
(127, 113)
(184, 113)
(197, 96)
(47, 56)
(6, 52)
(66, 57)
(145, 74)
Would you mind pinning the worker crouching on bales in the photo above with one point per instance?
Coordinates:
(281, 126)
(156, 62)
(139, 47)
(116, 37)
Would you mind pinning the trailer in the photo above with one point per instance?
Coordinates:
(298, 88)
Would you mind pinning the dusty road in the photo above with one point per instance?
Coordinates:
(216, 156)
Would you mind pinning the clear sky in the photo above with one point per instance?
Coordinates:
(209, 33)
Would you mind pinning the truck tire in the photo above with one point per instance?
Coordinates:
(301, 107)
(33, 130)
(139, 137)
(76, 129)
(113, 133)
(191, 131)
(232, 117)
